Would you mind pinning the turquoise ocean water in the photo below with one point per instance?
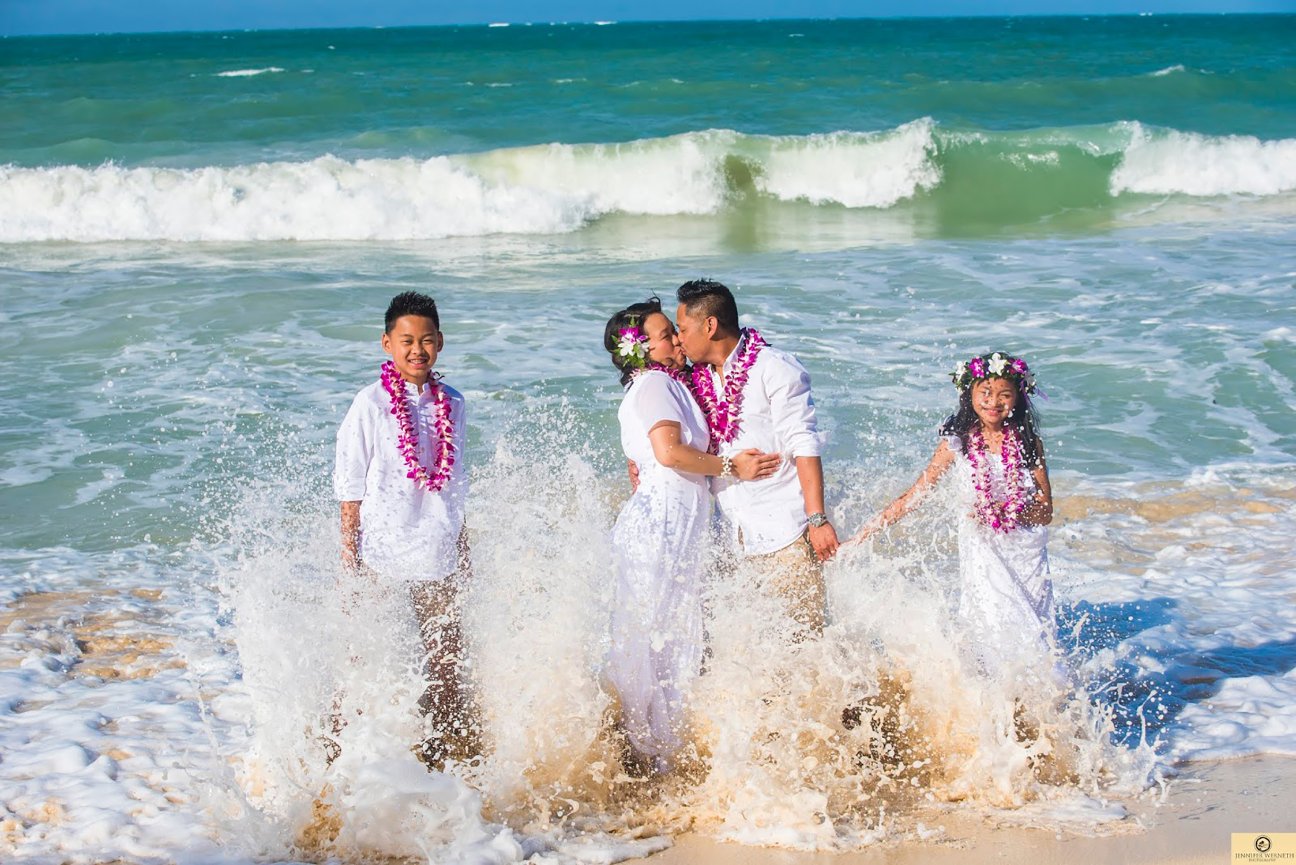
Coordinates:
(199, 233)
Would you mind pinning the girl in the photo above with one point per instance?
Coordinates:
(1006, 501)
(658, 537)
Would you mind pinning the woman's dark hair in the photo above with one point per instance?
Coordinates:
(411, 303)
(1023, 420)
(633, 315)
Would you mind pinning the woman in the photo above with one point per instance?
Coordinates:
(659, 535)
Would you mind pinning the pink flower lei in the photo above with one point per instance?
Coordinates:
(680, 375)
(407, 440)
(998, 516)
(724, 416)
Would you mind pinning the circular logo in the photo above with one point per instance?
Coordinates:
(1263, 844)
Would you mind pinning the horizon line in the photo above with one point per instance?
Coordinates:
(504, 25)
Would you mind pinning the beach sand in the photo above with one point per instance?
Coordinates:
(1205, 804)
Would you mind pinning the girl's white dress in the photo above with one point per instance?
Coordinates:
(659, 544)
(1007, 596)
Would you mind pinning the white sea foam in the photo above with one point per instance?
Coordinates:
(1251, 715)
(853, 169)
(248, 73)
(559, 188)
(1166, 162)
(681, 174)
(530, 190)
(323, 199)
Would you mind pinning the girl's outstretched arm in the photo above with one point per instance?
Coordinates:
(939, 464)
(1039, 510)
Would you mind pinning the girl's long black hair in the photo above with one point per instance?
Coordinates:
(1023, 420)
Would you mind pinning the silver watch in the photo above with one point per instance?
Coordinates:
(818, 519)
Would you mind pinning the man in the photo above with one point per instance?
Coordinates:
(756, 396)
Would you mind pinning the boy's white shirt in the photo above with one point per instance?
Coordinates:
(778, 416)
(406, 532)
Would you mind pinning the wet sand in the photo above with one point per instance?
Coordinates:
(1204, 805)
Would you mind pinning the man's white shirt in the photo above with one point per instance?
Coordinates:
(778, 416)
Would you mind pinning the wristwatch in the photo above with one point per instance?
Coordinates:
(818, 519)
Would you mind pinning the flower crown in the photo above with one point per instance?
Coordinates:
(633, 344)
(996, 365)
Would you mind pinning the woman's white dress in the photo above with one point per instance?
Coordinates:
(659, 544)
(1007, 597)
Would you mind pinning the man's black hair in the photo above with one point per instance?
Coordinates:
(706, 297)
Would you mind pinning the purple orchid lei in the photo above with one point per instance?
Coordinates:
(724, 416)
(999, 516)
(407, 440)
(679, 375)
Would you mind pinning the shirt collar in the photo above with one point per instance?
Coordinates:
(737, 349)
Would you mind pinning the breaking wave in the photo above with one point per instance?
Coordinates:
(1005, 177)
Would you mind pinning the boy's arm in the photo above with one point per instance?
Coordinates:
(349, 470)
(351, 535)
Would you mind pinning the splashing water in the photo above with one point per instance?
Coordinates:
(829, 743)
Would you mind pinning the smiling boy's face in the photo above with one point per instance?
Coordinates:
(413, 343)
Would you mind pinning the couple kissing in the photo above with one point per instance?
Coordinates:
(740, 426)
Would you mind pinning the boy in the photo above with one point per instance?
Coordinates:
(402, 485)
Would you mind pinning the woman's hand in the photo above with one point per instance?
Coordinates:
(752, 465)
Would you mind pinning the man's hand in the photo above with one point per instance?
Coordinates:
(824, 541)
(633, 469)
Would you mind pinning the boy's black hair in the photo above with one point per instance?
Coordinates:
(1023, 420)
(411, 303)
(633, 315)
(708, 297)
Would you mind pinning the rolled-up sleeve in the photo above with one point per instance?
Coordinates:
(354, 449)
(793, 410)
